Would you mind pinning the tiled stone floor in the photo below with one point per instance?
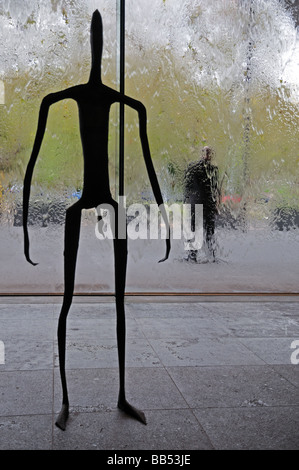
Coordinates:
(209, 373)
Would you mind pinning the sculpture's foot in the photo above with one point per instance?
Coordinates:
(131, 410)
(62, 417)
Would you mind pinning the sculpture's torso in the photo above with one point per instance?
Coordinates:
(94, 102)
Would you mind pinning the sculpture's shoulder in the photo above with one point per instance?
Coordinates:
(73, 92)
(109, 94)
(95, 93)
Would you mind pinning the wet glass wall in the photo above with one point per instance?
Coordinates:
(222, 74)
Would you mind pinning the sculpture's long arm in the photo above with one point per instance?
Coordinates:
(42, 121)
(152, 174)
(140, 108)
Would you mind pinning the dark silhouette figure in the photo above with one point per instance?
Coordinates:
(94, 100)
(201, 187)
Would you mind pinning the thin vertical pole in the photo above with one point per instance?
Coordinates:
(247, 111)
(246, 135)
(122, 91)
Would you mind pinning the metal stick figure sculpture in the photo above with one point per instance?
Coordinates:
(94, 100)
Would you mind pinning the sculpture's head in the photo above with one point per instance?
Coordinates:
(96, 41)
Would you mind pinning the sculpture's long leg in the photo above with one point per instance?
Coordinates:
(120, 256)
(71, 243)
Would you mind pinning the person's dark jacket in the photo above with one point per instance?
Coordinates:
(201, 184)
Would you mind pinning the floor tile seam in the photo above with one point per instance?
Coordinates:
(203, 366)
(229, 338)
(221, 366)
(229, 334)
(211, 315)
(243, 407)
(241, 367)
(252, 352)
(290, 338)
(264, 337)
(203, 429)
(270, 337)
(115, 368)
(114, 408)
(13, 371)
(24, 415)
(152, 348)
(165, 369)
(273, 367)
(177, 388)
(151, 409)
